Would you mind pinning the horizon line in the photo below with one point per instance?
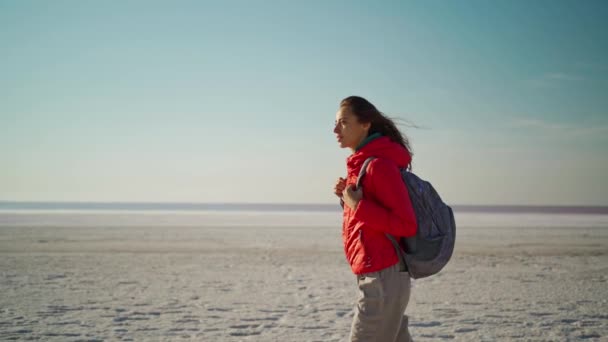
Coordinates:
(270, 206)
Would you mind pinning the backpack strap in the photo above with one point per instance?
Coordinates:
(360, 177)
(363, 171)
(399, 251)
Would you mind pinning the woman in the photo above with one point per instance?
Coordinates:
(380, 206)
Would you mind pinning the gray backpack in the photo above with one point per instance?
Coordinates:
(430, 249)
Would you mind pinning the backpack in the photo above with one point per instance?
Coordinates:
(427, 252)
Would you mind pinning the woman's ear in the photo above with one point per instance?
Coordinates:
(367, 126)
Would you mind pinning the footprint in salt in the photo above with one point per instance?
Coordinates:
(464, 330)
(245, 330)
(425, 324)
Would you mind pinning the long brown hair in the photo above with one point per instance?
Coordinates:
(380, 123)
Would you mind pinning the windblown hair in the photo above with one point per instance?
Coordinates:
(380, 123)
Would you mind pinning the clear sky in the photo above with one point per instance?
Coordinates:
(234, 101)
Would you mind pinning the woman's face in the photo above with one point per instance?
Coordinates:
(349, 131)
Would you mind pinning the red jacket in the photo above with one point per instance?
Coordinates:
(385, 207)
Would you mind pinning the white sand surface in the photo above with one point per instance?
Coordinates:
(208, 281)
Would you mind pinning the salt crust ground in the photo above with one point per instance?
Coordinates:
(205, 283)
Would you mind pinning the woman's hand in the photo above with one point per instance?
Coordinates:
(339, 187)
(351, 197)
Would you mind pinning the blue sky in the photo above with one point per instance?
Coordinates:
(234, 101)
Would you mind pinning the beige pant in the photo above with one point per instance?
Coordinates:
(379, 313)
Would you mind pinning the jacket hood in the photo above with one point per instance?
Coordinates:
(381, 147)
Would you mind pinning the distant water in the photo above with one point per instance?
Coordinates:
(276, 207)
(162, 207)
(118, 214)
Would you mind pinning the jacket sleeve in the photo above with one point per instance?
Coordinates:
(392, 213)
